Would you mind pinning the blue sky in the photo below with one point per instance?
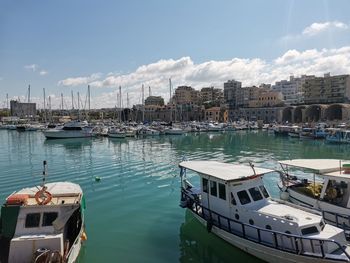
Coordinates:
(66, 45)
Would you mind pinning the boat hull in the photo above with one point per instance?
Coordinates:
(64, 134)
(265, 253)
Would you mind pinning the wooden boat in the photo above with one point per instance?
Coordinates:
(43, 224)
(324, 186)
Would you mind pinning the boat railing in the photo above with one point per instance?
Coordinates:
(296, 244)
(339, 220)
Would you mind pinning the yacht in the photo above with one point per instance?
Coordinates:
(324, 185)
(174, 131)
(71, 129)
(43, 224)
(233, 203)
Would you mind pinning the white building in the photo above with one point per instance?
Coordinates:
(292, 89)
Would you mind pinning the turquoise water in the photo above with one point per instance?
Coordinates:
(133, 213)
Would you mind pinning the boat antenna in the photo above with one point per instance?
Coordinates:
(252, 166)
(44, 172)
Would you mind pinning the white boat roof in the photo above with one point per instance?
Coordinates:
(224, 171)
(58, 188)
(338, 175)
(320, 166)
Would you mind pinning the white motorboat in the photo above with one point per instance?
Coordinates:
(148, 132)
(232, 203)
(116, 133)
(71, 129)
(326, 187)
(43, 224)
(174, 131)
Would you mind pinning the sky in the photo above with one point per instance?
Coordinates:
(63, 46)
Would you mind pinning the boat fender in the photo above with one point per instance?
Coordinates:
(83, 236)
(43, 197)
(209, 225)
(284, 196)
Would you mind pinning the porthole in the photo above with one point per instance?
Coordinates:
(251, 221)
(288, 232)
(237, 216)
(268, 227)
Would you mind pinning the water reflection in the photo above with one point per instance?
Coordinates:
(197, 245)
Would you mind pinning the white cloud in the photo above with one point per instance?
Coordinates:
(31, 67)
(43, 72)
(317, 28)
(77, 81)
(36, 68)
(184, 71)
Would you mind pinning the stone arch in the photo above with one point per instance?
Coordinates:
(334, 112)
(287, 114)
(299, 114)
(313, 113)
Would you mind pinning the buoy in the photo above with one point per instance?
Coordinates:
(97, 178)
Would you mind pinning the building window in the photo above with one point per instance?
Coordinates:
(222, 191)
(48, 218)
(32, 220)
(255, 193)
(213, 189)
(205, 185)
(243, 197)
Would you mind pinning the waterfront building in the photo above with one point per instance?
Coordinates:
(266, 98)
(230, 92)
(216, 114)
(211, 95)
(327, 89)
(154, 100)
(186, 95)
(22, 110)
(265, 114)
(292, 89)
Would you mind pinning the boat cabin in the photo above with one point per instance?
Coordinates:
(31, 228)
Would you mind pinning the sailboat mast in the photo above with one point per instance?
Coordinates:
(62, 102)
(7, 104)
(72, 100)
(143, 104)
(171, 106)
(45, 119)
(78, 106)
(28, 93)
(120, 104)
(88, 102)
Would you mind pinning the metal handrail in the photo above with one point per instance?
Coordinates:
(196, 206)
(336, 222)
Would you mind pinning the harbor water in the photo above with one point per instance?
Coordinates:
(133, 212)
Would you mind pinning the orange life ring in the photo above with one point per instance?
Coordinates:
(43, 197)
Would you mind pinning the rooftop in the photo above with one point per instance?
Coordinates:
(224, 171)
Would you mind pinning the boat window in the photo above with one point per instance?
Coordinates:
(205, 185)
(243, 197)
(222, 191)
(32, 220)
(264, 191)
(268, 227)
(213, 188)
(48, 218)
(255, 193)
(251, 221)
(309, 230)
(233, 200)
